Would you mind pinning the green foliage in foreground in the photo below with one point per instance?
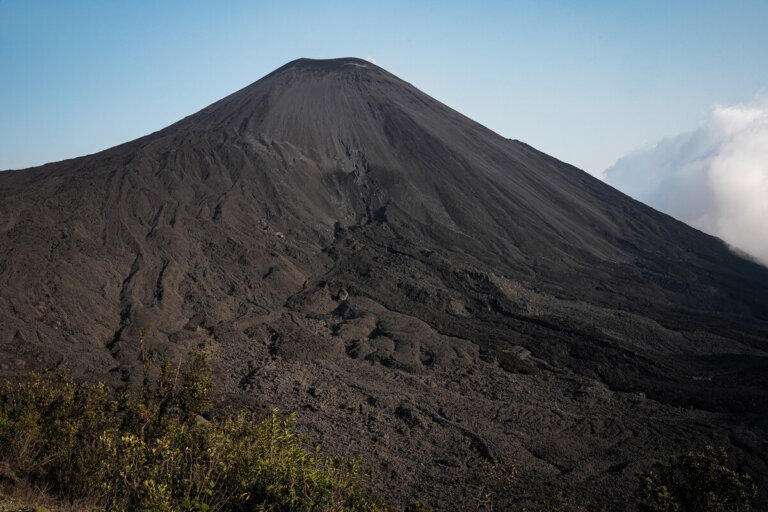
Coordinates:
(697, 482)
(491, 483)
(150, 450)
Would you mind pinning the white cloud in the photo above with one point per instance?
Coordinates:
(371, 59)
(715, 178)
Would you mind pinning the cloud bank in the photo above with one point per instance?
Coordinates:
(714, 178)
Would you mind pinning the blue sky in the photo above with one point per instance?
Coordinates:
(587, 82)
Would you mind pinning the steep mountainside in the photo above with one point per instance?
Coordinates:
(422, 291)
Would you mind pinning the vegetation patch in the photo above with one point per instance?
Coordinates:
(697, 482)
(152, 449)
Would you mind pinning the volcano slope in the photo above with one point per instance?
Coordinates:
(421, 291)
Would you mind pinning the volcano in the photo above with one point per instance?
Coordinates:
(422, 292)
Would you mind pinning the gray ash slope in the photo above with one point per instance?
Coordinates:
(422, 291)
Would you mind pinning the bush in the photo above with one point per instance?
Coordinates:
(418, 506)
(491, 484)
(697, 482)
(145, 451)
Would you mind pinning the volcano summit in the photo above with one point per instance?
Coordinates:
(423, 292)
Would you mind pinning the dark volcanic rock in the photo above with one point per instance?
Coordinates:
(422, 291)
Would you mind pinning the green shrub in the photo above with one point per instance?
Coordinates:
(140, 451)
(418, 506)
(492, 484)
(697, 482)
(195, 396)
